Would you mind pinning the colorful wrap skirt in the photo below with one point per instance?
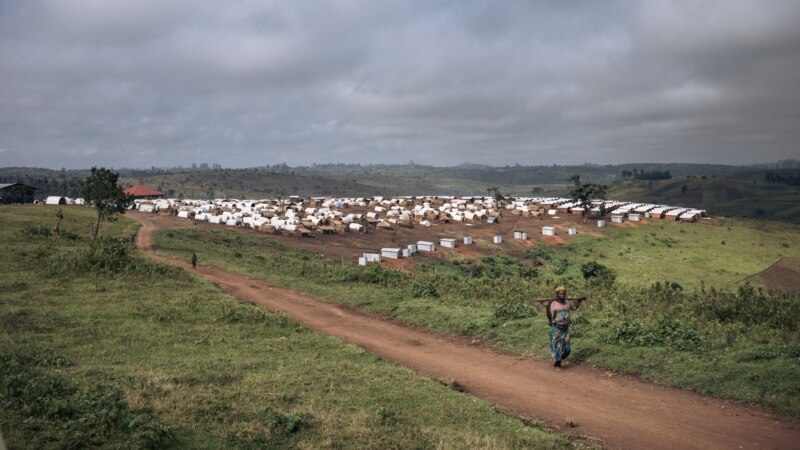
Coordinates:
(559, 342)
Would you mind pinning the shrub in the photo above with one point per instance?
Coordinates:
(595, 271)
(35, 231)
(512, 311)
(48, 406)
(424, 290)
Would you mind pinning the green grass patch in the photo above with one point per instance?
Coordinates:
(100, 347)
(716, 252)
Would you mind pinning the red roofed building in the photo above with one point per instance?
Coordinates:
(143, 192)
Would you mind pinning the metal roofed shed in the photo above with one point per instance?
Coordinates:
(549, 231)
(16, 193)
(520, 235)
(467, 240)
(447, 242)
(143, 192)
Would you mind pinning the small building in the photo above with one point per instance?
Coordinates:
(497, 239)
(572, 231)
(372, 257)
(674, 215)
(16, 193)
(412, 248)
(617, 218)
(391, 253)
(467, 240)
(549, 231)
(691, 215)
(362, 261)
(143, 192)
(601, 223)
(425, 246)
(447, 242)
(634, 217)
(520, 235)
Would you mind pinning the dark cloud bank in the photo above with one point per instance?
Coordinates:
(153, 82)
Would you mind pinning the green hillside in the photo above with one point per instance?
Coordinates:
(746, 195)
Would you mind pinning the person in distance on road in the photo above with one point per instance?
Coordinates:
(194, 260)
(559, 316)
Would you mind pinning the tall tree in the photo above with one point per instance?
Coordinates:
(582, 194)
(101, 190)
(494, 192)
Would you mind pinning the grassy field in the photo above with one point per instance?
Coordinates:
(715, 252)
(102, 348)
(718, 339)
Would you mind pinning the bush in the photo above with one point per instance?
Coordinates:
(101, 257)
(666, 332)
(595, 271)
(46, 405)
(424, 290)
(35, 231)
(512, 311)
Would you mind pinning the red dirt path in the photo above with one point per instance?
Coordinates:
(619, 411)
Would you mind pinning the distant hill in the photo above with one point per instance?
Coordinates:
(720, 189)
(744, 194)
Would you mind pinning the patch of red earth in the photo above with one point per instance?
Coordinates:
(784, 275)
(555, 240)
(404, 264)
(469, 251)
(347, 246)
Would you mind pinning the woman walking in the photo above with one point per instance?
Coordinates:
(560, 317)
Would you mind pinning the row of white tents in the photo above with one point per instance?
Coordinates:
(354, 214)
(56, 200)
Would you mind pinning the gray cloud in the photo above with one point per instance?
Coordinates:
(146, 82)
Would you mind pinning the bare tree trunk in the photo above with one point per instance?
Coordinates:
(96, 227)
(59, 218)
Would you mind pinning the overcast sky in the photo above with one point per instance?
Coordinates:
(137, 83)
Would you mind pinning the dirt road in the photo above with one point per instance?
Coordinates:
(620, 411)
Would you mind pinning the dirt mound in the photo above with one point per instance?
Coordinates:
(784, 275)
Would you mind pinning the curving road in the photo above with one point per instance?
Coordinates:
(619, 411)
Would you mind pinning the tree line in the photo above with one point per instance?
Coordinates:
(61, 186)
(646, 175)
(790, 178)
